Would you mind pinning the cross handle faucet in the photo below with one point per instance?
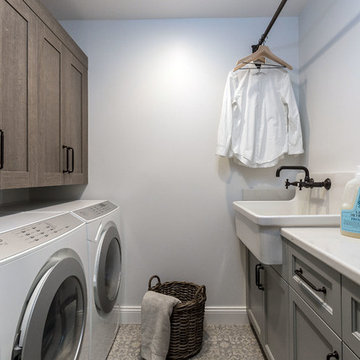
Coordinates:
(307, 182)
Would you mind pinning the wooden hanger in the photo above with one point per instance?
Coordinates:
(259, 56)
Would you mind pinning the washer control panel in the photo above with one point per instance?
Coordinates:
(27, 237)
(95, 211)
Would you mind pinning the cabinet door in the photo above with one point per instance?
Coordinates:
(18, 60)
(276, 316)
(348, 354)
(351, 314)
(255, 295)
(50, 80)
(75, 119)
(310, 337)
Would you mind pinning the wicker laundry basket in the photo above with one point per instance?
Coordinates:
(187, 319)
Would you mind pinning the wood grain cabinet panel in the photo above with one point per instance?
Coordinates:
(18, 91)
(63, 114)
(75, 119)
(348, 354)
(43, 100)
(49, 144)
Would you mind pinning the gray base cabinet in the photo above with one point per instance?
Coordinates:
(276, 315)
(267, 304)
(351, 314)
(310, 337)
(318, 284)
(303, 309)
(255, 297)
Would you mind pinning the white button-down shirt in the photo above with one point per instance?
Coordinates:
(260, 119)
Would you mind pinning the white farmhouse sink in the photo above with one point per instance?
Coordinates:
(258, 223)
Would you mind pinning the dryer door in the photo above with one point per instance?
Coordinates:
(107, 269)
(53, 323)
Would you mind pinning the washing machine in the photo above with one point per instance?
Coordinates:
(102, 220)
(43, 292)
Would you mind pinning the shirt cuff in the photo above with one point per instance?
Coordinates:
(221, 150)
(295, 150)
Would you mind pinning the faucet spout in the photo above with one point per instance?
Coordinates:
(303, 168)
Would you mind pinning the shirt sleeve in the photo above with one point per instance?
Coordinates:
(294, 126)
(226, 119)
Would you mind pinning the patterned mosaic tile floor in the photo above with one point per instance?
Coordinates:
(221, 342)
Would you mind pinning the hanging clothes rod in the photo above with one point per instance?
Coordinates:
(272, 22)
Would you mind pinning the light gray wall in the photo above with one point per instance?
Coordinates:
(330, 83)
(155, 93)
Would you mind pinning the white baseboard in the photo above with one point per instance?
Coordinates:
(226, 315)
(130, 314)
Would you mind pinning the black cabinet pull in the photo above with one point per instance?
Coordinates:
(257, 275)
(72, 160)
(334, 355)
(258, 267)
(2, 149)
(299, 273)
(67, 159)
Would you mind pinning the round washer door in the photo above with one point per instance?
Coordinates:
(107, 269)
(54, 321)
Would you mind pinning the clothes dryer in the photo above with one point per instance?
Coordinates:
(43, 292)
(102, 220)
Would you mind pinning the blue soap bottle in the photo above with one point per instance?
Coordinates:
(350, 210)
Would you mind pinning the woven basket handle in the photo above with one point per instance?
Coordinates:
(201, 289)
(151, 279)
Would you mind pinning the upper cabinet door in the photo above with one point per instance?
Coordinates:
(50, 152)
(18, 93)
(74, 108)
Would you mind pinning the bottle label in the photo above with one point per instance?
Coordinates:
(350, 219)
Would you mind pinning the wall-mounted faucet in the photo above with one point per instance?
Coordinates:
(307, 182)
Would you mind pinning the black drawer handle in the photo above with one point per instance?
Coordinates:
(72, 160)
(334, 355)
(299, 273)
(67, 159)
(258, 267)
(2, 149)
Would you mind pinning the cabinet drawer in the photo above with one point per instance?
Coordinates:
(318, 284)
(351, 314)
(348, 354)
(310, 337)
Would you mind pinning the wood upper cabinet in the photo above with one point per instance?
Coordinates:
(74, 129)
(62, 114)
(43, 100)
(18, 92)
(50, 166)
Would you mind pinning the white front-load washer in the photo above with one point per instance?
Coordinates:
(102, 220)
(43, 292)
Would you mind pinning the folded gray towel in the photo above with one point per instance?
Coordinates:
(156, 310)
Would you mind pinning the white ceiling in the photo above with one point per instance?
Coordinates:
(155, 9)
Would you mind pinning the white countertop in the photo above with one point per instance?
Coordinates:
(328, 245)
